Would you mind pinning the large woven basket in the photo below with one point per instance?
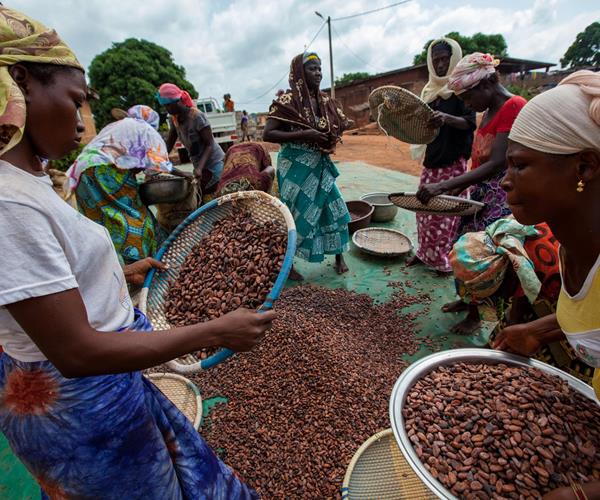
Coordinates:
(379, 471)
(438, 205)
(182, 392)
(189, 233)
(382, 242)
(402, 114)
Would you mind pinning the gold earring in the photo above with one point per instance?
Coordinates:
(580, 186)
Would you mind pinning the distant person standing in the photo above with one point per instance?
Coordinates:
(244, 126)
(228, 104)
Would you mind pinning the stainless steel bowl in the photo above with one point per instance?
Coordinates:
(421, 368)
(163, 189)
(385, 210)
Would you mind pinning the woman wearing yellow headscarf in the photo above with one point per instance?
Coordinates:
(73, 404)
(446, 157)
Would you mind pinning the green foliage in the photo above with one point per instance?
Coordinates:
(479, 42)
(129, 73)
(64, 163)
(585, 50)
(351, 77)
(523, 92)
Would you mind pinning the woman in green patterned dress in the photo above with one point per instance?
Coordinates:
(104, 181)
(308, 124)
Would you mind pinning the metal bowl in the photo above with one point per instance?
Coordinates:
(163, 189)
(385, 210)
(421, 368)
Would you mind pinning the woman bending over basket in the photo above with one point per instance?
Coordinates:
(247, 168)
(309, 124)
(554, 176)
(73, 404)
(103, 179)
(475, 81)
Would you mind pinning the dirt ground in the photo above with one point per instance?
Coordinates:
(378, 150)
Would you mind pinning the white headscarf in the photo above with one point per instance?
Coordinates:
(436, 86)
(563, 120)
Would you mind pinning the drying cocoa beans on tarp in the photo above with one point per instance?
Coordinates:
(315, 388)
(498, 431)
(234, 265)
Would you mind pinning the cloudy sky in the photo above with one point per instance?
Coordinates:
(244, 46)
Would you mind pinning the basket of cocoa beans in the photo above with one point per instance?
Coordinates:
(479, 424)
(235, 251)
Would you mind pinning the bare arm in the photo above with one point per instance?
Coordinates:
(172, 139)
(439, 118)
(528, 338)
(78, 350)
(495, 164)
(205, 136)
(274, 132)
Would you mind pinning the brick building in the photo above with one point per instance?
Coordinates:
(354, 96)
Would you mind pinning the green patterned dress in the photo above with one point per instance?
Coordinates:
(306, 179)
(109, 196)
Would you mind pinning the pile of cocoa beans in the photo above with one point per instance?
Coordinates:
(316, 387)
(499, 431)
(234, 265)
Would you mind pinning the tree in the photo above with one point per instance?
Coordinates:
(585, 50)
(351, 77)
(129, 73)
(479, 42)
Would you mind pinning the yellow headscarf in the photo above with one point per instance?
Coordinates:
(23, 39)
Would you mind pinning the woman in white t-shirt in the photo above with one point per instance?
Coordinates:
(73, 404)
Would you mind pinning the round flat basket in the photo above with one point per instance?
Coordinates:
(182, 392)
(379, 470)
(263, 208)
(382, 242)
(438, 205)
(402, 114)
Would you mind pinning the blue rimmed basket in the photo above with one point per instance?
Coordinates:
(175, 249)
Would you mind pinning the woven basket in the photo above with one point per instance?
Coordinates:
(402, 114)
(379, 471)
(182, 392)
(438, 205)
(189, 233)
(382, 242)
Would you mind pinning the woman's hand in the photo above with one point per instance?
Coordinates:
(428, 191)
(437, 120)
(319, 138)
(242, 329)
(518, 339)
(135, 273)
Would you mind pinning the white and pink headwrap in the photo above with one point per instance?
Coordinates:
(470, 70)
(562, 120)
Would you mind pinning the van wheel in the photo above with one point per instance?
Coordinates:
(225, 146)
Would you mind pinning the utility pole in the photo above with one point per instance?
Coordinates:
(328, 20)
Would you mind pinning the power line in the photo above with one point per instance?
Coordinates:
(286, 73)
(354, 53)
(370, 11)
